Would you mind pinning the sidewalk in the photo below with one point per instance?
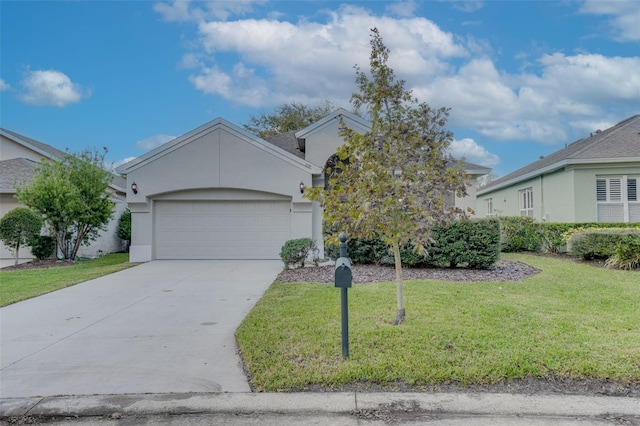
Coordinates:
(328, 408)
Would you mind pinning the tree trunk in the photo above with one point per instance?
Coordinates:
(17, 254)
(400, 315)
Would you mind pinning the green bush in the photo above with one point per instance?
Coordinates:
(470, 243)
(519, 233)
(124, 228)
(42, 246)
(626, 254)
(17, 227)
(295, 252)
(595, 245)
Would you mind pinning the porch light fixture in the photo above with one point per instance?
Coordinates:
(302, 187)
(134, 187)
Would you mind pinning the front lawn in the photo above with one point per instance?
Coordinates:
(22, 284)
(572, 321)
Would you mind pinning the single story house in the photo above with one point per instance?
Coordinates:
(19, 157)
(594, 179)
(219, 192)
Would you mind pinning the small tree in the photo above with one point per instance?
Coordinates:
(392, 182)
(287, 117)
(18, 227)
(71, 194)
(124, 228)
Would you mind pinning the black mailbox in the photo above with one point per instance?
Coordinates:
(343, 277)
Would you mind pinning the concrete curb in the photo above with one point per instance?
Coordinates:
(339, 402)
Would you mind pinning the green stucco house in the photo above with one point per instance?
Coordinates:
(594, 179)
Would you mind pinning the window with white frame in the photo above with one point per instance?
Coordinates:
(488, 207)
(617, 198)
(526, 202)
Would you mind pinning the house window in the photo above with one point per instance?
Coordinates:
(617, 199)
(526, 202)
(488, 207)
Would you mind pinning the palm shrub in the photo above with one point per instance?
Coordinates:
(626, 254)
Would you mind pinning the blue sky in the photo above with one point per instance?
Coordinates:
(522, 78)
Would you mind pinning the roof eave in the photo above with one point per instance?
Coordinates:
(555, 166)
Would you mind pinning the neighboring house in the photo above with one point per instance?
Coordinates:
(595, 179)
(19, 157)
(219, 192)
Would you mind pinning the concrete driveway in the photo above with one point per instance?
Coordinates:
(163, 326)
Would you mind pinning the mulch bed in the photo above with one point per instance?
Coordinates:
(502, 271)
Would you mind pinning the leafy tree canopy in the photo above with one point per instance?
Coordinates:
(71, 194)
(287, 117)
(397, 180)
(18, 227)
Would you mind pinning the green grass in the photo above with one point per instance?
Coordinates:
(22, 284)
(571, 320)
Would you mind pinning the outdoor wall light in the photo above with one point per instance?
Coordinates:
(302, 187)
(134, 187)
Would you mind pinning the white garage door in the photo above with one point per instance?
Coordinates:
(221, 229)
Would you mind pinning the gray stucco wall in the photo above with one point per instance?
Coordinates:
(224, 164)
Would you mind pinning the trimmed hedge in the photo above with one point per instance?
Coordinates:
(469, 243)
(599, 244)
(295, 252)
(520, 233)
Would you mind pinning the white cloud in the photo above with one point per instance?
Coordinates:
(4, 85)
(467, 6)
(282, 60)
(469, 150)
(403, 8)
(153, 141)
(624, 16)
(52, 88)
(554, 99)
(185, 10)
(119, 163)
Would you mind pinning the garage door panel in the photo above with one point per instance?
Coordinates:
(221, 229)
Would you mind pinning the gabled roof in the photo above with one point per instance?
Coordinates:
(207, 128)
(340, 113)
(15, 170)
(41, 148)
(18, 169)
(475, 169)
(617, 144)
(288, 142)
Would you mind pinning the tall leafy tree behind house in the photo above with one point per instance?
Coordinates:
(71, 195)
(393, 181)
(18, 227)
(287, 117)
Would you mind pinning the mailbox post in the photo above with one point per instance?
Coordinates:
(343, 280)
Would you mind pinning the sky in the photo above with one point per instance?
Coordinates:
(522, 78)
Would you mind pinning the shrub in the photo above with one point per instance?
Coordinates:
(19, 226)
(471, 243)
(124, 227)
(626, 254)
(42, 246)
(518, 233)
(595, 245)
(295, 252)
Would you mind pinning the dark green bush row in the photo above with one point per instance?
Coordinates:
(520, 233)
(470, 243)
(591, 245)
